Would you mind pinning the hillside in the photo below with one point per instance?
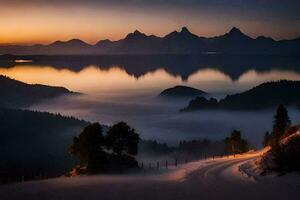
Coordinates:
(35, 142)
(18, 94)
(219, 178)
(264, 96)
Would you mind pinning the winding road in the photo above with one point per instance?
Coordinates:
(205, 179)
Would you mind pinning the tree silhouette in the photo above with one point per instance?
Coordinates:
(121, 139)
(280, 124)
(235, 144)
(88, 148)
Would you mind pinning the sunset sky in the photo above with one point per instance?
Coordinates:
(42, 21)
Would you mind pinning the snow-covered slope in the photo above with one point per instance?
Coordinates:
(220, 178)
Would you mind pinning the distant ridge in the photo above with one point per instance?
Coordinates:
(180, 91)
(16, 94)
(183, 42)
(264, 96)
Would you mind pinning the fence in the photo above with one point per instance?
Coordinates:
(174, 163)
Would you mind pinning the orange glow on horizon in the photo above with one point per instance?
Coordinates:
(43, 25)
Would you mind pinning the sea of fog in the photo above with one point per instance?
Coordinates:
(125, 89)
(159, 119)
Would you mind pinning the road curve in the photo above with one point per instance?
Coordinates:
(204, 179)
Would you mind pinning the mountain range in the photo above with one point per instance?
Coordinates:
(183, 42)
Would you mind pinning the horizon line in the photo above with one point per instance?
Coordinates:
(137, 30)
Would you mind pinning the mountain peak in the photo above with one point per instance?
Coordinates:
(237, 34)
(136, 34)
(235, 30)
(185, 30)
(184, 33)
(72, 41)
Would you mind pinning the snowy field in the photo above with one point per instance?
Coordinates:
(221, 178)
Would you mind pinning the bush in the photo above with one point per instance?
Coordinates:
(287, 155)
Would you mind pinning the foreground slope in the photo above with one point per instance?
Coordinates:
(32, 142)
(205, 179)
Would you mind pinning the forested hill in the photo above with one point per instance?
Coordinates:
(264, 96)
(18, 94)
(32, 142)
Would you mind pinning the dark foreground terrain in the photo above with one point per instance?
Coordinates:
(204, 179)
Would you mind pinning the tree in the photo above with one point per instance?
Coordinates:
(235, 144)
(121, 139)
(88, 148)
(280, 124)
(267, 137)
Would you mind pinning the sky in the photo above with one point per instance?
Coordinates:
(43, 21)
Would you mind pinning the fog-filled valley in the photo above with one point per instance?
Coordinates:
(161, 120)
(125, 89)
(120, 88)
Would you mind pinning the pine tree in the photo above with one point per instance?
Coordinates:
(280, 124)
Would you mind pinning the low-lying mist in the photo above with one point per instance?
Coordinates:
(161, 120)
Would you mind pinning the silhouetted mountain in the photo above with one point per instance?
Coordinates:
(264, 96)
(69, 45)
(18, 94)
(181, 91)
(183, 42)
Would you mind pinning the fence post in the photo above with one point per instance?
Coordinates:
(176, 162)
(157, 165)
(142, 165)
(166, 164)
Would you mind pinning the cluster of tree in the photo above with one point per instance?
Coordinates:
(259, 97)
(286, 153)
(184, 150)
(34, 143)
(99, 153)
(235, 144)
(153, 148)
(196, 149)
